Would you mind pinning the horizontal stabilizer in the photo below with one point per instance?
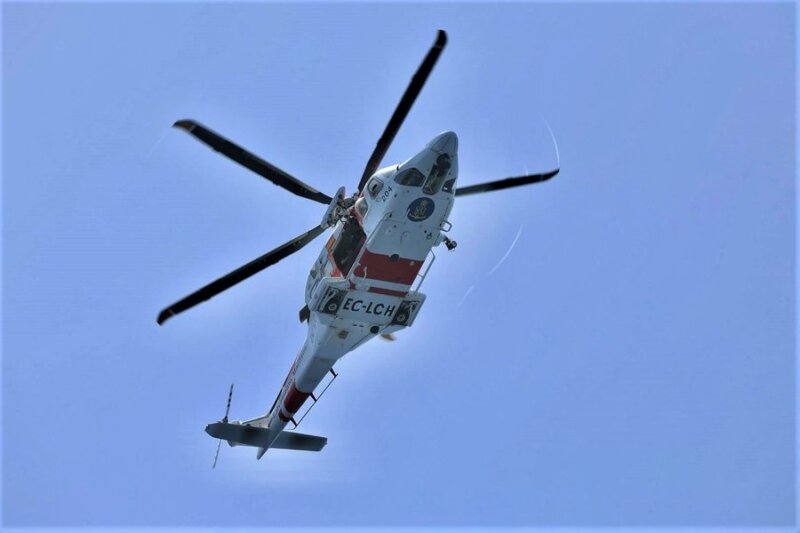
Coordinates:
(240, 434)
(263, 437)
(289, 440)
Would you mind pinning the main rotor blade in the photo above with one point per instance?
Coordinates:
(506, 183)
(413, 90)
(240, 274)
(253, 162)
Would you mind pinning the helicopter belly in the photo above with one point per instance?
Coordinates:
(331, 335)
(336, 304)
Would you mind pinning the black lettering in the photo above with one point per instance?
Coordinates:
(379, 309)
(347, 304)
(358, 303)
(389, 311)
(369, 307)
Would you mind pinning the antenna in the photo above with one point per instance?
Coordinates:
(224, 421)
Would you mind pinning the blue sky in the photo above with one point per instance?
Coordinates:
(630, 363)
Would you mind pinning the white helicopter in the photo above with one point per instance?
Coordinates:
(365, 281)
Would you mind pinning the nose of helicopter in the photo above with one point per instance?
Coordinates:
(444, 143)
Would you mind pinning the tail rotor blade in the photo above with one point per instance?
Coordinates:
(224, 421)
(506, 183)
(240, 274)
(216, 455)
(251, 161)
(228, 407)
(412, 91)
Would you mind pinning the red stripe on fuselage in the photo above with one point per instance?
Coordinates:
(387, 292)
(381, 267)
(294, 399)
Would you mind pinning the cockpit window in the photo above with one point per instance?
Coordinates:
(348, 246)
(448, 185)
(410, 177)
(437, 175)
(374, 187)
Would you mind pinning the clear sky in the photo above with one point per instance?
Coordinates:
(630, 363)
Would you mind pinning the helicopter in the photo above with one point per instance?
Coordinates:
(365, 282)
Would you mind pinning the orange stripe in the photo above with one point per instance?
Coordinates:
(294, 399)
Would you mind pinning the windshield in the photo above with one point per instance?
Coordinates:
(410, 177)
(437, 175)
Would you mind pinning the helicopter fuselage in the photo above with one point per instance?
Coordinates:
(362, 283)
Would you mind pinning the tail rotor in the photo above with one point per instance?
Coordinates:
(224, 421)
